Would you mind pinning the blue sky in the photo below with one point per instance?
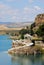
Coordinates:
(20, 10)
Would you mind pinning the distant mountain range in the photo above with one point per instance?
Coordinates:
(15, 24)
(5, 22)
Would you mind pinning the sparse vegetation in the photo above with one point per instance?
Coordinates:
(33, 25)
(40, 31)
(23, 32)
(22, 36)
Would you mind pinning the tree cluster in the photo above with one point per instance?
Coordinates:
(40, 31)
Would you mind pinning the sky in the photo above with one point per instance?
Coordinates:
(20, 10)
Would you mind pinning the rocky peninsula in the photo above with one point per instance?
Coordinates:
(30, 46)
(26, 47)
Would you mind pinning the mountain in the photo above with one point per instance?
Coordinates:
(15, 24)
(3, 27)
(39, 19)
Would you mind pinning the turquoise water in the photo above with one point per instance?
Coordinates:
(5, 43)
(6, 59)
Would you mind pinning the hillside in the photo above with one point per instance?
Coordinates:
(3, 27)
(39, 19)
(16, 24)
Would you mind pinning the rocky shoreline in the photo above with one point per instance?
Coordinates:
(21, 49)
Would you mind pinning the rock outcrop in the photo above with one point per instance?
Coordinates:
(39, 19)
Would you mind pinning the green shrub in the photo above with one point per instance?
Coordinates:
(40, 31)
(22, 36)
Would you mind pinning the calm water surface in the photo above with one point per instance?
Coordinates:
(6, 59)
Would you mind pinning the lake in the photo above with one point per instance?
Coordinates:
(6, 59)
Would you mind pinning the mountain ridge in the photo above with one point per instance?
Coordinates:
(15, 24)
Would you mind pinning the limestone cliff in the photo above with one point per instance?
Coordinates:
(39, 19)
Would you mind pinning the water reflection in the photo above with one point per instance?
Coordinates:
(30, 60)
(6, 59)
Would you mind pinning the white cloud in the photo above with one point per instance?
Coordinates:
(9, 0)
(13, 17)
(2, 6)
(26, 10)
(30, 1)
(12, 0)
(7, 13)
(37, 8)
